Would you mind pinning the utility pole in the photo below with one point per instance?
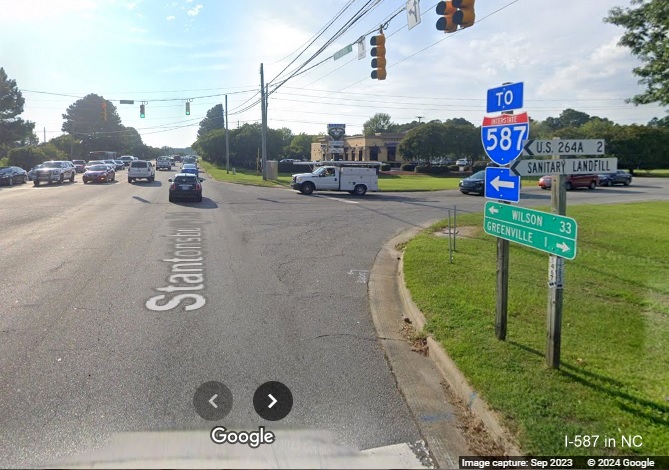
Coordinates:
(227, 140)
(263, 133)
(45, 135)
(419, 118)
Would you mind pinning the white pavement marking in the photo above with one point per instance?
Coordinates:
(336, 199)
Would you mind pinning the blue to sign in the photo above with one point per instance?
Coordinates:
(502, 185)
(503, 136)
(505, 98)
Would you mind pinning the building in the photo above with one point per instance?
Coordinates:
(371, 148)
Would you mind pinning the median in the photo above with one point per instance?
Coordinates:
(613, 380)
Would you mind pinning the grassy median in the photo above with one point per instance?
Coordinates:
(614, 375)
(242, 176)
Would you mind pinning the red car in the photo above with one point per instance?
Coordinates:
(99, 174)
(572, 181)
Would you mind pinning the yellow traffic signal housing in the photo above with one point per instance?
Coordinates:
(379, 54)
(446, 11)
(103, 112)
(464, 16)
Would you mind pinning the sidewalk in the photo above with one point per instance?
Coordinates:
(451, 417)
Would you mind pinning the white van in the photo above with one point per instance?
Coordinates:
(355, 177)
(141, 169)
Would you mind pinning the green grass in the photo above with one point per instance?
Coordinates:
(243, 176)
(652, 173)
(417, 182)
(614, 374)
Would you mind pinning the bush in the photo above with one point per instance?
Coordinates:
(408, 167)
(385, 167)
(26, 157)
(478, 167)
(454, 168)
(432, 170)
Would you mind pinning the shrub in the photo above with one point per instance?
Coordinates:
(408, 167)
(431, 170)
(385, 167)
(26, 157)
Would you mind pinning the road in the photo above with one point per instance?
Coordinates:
(94, 338)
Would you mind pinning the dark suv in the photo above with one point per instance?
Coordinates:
(619, 177)
(55, 172)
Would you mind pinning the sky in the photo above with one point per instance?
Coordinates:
(165, 53)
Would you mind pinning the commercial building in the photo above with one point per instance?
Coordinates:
(371, 148)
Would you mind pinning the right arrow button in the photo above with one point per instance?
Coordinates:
(273, 401)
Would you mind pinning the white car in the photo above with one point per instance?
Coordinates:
(141, 169)
(462, 162)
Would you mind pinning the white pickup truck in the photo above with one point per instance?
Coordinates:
(355, 177)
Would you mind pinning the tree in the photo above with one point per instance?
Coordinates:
(69, 145)
(380, 122)
(300, 147)
(83, 121)
(424, 142)
(13, 130)
(215, 119)
(462, 140)
(26, 157)
(647, 36)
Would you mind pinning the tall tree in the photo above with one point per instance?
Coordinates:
(300, 147)
(647, 36)
(83, 120)
(380, 122)
(215, 119)
(424, 142)
(13, 130)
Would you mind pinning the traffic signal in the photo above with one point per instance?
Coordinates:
(103, 112)
(446, 11)
(142, 108)
(187, 108)
(464, 15)
(379, 54)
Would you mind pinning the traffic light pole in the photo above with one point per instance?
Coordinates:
(263, 133)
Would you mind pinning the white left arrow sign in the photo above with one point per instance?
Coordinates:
(211, 401)
(498, 183)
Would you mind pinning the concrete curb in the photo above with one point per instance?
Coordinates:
(449, 370)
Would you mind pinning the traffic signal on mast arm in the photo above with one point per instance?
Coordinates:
(103, 111)
(187, 108)
(445, 23)
(464, 16)
(142, 110)
(379, 54)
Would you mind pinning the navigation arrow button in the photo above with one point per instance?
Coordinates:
(211, 401)
(279, 407)
(273, 401)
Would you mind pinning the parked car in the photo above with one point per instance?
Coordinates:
(185, 186)
(462, 162)
(473, 184)
(141, 169)
(572, 181)
(55, 171)
(11, 175)
(619, 177)
(79, 165)
(99, 174)
(190, 168)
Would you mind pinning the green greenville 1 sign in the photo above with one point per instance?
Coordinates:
(552, 233)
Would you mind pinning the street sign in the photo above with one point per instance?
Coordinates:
(361, 49)
(503, 136)
(533, 148)
(505, 98)
(565, 166)
(555, 272)
(127, 102)
(501, 184)
(544, 231)
(413, 13)
(341, 53)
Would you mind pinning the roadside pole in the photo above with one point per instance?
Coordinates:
(555, 273)
(263, 132)
(227, 141)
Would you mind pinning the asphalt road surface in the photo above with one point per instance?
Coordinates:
(108, 324)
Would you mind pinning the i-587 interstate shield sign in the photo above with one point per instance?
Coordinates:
(503, 136)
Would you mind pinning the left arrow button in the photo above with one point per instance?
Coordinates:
(212, 401)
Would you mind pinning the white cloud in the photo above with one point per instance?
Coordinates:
(170, 18)
(195, 10)
(131, 5)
